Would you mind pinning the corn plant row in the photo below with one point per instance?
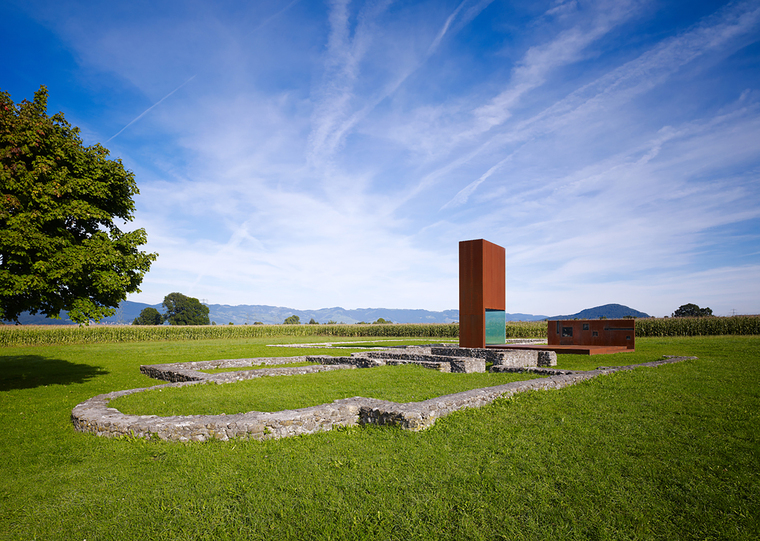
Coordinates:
(680, 326)
(698, 326)
(29, 335)
(52, 335)
(526, 329)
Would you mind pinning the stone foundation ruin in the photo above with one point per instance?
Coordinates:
(95, 416)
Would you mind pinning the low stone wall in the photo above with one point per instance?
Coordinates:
(420, 356)
(357, 360)
(96, 417)
(428, 358)
(509, 357)
(444, 366)
(533, 369)
(526, 357)
(190, 372)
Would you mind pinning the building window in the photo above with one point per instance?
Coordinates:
(567, 331)
(585, 326)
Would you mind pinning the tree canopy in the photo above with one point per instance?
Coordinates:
(149, 316)
(184, 310)
(60, 247)
(292, 320)
(692, 310)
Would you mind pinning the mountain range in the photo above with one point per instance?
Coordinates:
(223, 314)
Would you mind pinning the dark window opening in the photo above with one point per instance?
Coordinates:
(595, 333)
(567, 331)
(585, 326)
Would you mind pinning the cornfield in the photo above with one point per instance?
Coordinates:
(526, 329)
(11, 335)
(698, 326)
(51, 335)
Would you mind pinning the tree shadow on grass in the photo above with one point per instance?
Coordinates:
(30, 371)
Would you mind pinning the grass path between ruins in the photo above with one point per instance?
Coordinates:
(665, 453)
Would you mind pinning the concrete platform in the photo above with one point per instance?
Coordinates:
(574, 349)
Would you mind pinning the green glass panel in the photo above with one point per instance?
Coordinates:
(496, 327)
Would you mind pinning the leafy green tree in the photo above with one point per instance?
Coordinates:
(692, 310)
(184, 310)
(381, 321)
(292, 320)
(149, 316)
(313, 321)
(60, 247)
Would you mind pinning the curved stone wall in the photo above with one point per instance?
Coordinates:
(95, 416)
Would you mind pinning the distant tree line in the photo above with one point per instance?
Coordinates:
(184, 310)
(295, 320)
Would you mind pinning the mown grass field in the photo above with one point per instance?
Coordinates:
(666, 453)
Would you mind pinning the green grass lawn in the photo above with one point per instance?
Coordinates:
(396, 383)
(665, 453)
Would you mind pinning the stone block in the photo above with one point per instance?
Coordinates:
(547, 358)
(468, 366)
(516, 358)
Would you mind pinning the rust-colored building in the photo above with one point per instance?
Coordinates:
(586, 336)
(607, 333)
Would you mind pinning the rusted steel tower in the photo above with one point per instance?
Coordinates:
(482, 293)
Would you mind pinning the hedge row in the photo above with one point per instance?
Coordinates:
(49, 335)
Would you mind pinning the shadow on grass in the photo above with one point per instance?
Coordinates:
(29, 371)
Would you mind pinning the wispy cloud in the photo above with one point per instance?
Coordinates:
(611, 91)
(465, 12)
(339, 109)
(539, 61)
(148, 110)
(464, 194)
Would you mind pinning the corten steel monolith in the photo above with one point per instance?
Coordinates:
(482, 286)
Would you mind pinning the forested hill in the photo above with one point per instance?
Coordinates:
(608, 311)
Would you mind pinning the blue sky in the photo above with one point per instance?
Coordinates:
(333, 153)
